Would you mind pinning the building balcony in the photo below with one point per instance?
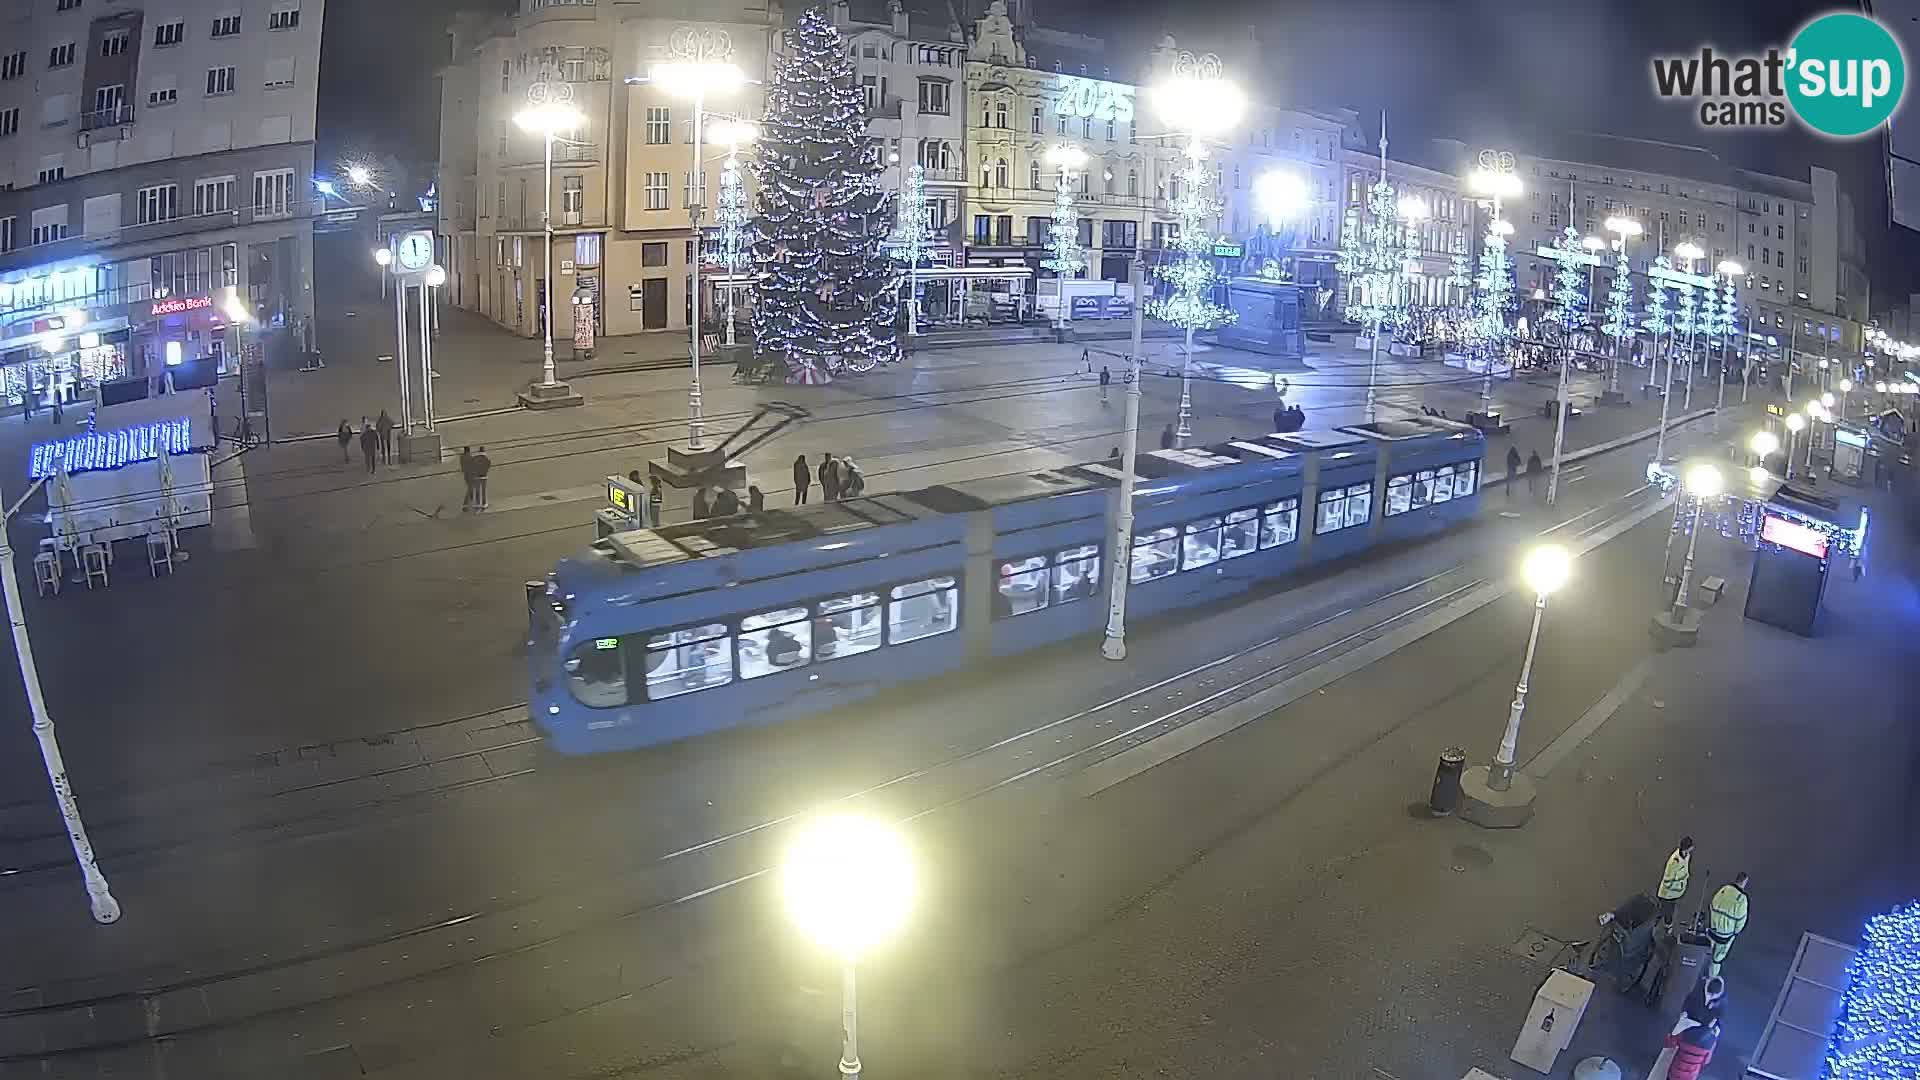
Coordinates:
(943, 176)
(886, 110)
(106, 119)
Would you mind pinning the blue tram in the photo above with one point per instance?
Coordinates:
(660, 634)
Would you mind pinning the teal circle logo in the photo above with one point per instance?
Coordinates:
(1845, 74)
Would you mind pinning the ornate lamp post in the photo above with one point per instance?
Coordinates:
(549, 112)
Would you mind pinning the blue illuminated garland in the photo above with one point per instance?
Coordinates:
(93, 451)
(1878, 1034)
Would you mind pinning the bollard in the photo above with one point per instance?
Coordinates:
(1446, 782)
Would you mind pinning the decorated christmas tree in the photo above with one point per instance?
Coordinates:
(1569, 298)
(1190, 275)
(827, 295)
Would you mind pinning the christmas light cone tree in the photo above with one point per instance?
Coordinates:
(827, 295)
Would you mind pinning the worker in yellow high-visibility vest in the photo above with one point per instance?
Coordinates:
(1673, 883)
(1726, 918)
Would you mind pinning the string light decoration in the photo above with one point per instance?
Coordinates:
(1460, 280)
(1063, 236)
(736, 223)
(1569, 298)
(1619, 321)
(1190, 275)
(1878, 1034)
(827, 293)
(1493, 299)
(93, 451)
(1729, 312)
(1685, 316)
(912, 238)
(1655, 319)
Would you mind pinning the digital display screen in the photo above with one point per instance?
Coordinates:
(1789, 534)
(617, 495)
(606, 643)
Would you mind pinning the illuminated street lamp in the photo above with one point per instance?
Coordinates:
(1281, 195)
(359, 176)
(1846, 387)
(1702, 481)
(1544, 569)
(848, 883)
(1764, 444)
(1794, 423)
(1494, 185)
(548, 119)
(1733, 272)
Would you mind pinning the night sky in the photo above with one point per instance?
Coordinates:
(1485, 71)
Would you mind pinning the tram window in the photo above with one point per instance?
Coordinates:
(1399, 495)
(1241, 533)
(922, 609)
(1076, 573)
(597, 673)
(1280, 523)
(1155, 555)
(1023, 587)
(689, 659)
(1342, 508)
(1422, 488)
(1359, 504)
(1443, 484)
(775, 641)
(1201, 546)
(1464, 477)
(847, 626)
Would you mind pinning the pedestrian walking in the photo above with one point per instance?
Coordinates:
(345, 435)
(829, 478)
(467, 501)
(1280, 417)
(1086, 360)
(802, 479)
(1534, 469)
(1692, 1049)
(1513, 470)
(725, 503)
(655, 502)
(1106, 380)
(482, 465)
(384, 425)
(1113, 452)
(369, 443)
(1166, 437)
(853, 482)
(1725, 919)
(59, 413)
(1673, 882)
(26, 406)
(700, 506)
(756, 499)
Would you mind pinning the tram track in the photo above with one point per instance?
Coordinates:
(690, 872)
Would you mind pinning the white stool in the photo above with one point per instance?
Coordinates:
(46, 572)
(94, 559)
(159, 553)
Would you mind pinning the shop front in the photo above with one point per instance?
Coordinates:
(61, 356)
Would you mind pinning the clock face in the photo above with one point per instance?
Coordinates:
(416, 251)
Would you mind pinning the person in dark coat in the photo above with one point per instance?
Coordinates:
(482, 465)
(1106, 380)
(725, 503)
(468, 501)
(345, 435)
(802, 479)
(1166, 437)
(829, 477)
(1534, 469)
(700, 508)
(1708, 1001)
(1280, 417)
(1513, 469)
(369, 443)
(756, 499)
(384, 425)
(1692, 1050)
(655, 503)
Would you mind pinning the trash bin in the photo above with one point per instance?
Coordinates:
(1446, 782)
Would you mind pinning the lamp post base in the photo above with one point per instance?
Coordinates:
(1490, 809)
(1615, 399)
(1676, 629)
(419, 447)
(557, 395)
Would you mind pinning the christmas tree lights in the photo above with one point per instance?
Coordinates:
(827, 292)
(1655, 318)
(1190, 274)
(735, 232)
(1373, 253)
(1619, 321)
(1063, 236)
(1878, 1034)
(1569, 298)
(912, 238)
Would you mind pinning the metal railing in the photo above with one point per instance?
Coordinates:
(95, 119)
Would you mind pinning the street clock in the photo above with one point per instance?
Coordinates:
(414, 252)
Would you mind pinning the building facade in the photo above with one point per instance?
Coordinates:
(156, 167)
(1442, 225)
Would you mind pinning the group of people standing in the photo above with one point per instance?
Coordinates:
(376, 441)
(721, 502)
(1535, 470)
(840, 478)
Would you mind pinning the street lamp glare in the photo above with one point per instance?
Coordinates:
(325, 187)
(1281, 195)
(739, 133)
(1795, 422)
(437, 275)
(1546, 568)
(1503, 227)
(1688, 250)
(1066, 157)
(694, 78)
(359, 175)
(1846, 386)
(1765, 443)
(1731, 269)
(1758, 476)
(1493, 184)
(548, 118)
(1200, 106)
(1593, 243)
(1826, 400)
(1879, 388)
(848, 882)
(1704, 480)
(382, 256)
(1413, 208)
(1625, 226)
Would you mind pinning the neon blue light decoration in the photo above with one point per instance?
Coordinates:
(95, 451)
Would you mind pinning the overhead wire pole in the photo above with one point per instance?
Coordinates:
(100, 897)
(1114, 646)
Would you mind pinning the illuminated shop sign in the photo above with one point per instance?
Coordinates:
(1093, 99)
(174, 305)
(111, 449)
(1790, 534)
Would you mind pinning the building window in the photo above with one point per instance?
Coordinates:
(573, 197)
(13, 66)
(936, 96)
(114, 42)
(656, 188)
(163, 94)
(219, 81)
(67, 5)
(52, 167)
(61, 55)
(158, 203)
(169, 33)
(1033, 173)
(695, 195)
(7, 237)
(1060, 124)
(500, 199)
(1133, 183)
(272, 193)
(286, 18)
(653, 254)
(1035, 127)
(279, 73)
(226, 26)
(1000, 115)
(1780, 260)
(10, 121)
(506, 75)
(1000, 173)
(659, 125)
(213, 196)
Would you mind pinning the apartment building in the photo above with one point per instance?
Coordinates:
(155, 182)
